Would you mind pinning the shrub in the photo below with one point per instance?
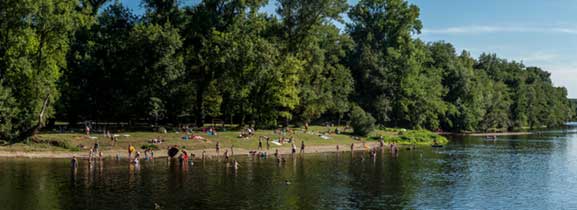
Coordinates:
(149, 146)
(362, 122)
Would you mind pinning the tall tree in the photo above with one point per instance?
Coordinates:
(33, 45)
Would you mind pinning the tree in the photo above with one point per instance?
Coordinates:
(362, 122)
(33, 45)
(392, 80)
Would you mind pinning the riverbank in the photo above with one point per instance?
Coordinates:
(196, 152)
(316, 139)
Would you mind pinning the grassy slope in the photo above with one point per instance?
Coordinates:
(68, 141)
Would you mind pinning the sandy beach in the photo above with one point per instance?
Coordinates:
(196, 152)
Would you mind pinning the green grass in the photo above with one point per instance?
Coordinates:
(69, 141)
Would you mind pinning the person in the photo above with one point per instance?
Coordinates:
(232, 150)
(306, 127)
(74, 162)
(87, 130)
(112, 140)
(217, 147)
(302, 146)
(236, 165)
(259, 144)
(203, 155)
(146, 154)
(185, 156)
(226, 154)
(100, 156)
(90, 154)
(267, 143)
(294, 148)
(338, 148)
(352, 147)
(276, 153)
(136, 158)
(96, 146)
(131, 149)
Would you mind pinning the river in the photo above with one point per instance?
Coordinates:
(522, 172)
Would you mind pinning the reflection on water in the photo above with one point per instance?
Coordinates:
(531, 172)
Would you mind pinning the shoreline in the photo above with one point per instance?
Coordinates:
(211, 153)
(523, 133)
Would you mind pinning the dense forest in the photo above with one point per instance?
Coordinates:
(228, 60)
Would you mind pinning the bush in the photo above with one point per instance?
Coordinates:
(422, 136)
(362, 122)
(149, 146)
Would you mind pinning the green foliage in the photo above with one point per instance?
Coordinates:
(362, 122)
(34, 38)
(149, 146)
(219, 59)
(421, 136)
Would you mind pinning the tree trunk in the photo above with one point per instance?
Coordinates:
(35, 129)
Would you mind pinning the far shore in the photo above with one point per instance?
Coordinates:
(488, 134)
(210, 153)
(519, 133)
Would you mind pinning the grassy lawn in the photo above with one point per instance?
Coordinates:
(69, 141)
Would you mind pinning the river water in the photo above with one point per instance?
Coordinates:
(524, 172)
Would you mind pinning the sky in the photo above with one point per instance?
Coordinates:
(539, 33)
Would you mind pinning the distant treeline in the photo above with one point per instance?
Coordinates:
(94, 60)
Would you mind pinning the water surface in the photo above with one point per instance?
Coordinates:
(525, 172)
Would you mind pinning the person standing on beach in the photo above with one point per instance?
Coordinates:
(267, 143)
(87, 130)
(276, 153)
(217, 147)
(302, 146)
(226, 155)
(259, 144)
(352, 147)
(294, 148)
(232, 150)
(338, 148)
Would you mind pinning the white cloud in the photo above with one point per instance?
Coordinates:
(480, 29)
(540, 57)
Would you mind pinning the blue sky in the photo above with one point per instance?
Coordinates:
(536, 32)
